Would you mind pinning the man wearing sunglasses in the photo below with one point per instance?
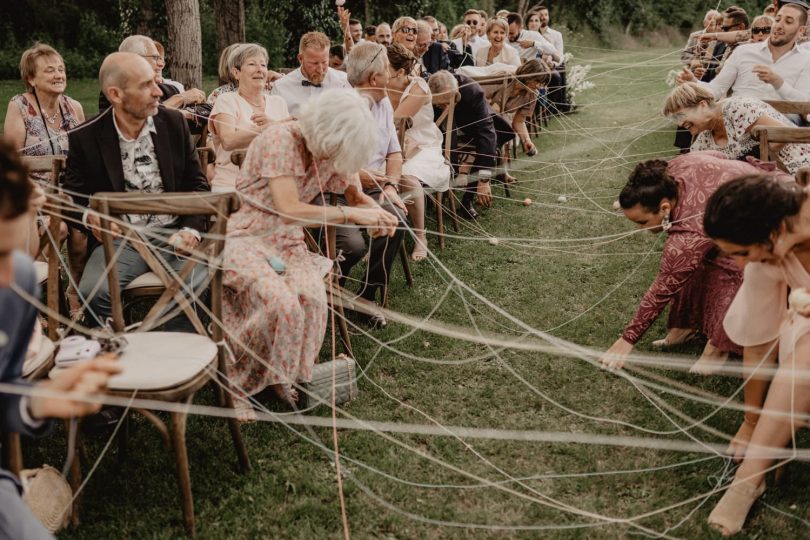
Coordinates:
(472, 20)
(775, 69)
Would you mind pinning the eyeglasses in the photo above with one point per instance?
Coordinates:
(727, 28)
(471, 22)
(760, 29)
(407, 30)
(153, 57)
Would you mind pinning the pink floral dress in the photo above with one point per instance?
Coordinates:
(275, 320)
(697, 283)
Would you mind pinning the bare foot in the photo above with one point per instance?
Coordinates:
(738, 445)
(420, 248)
(675, 336)
(710, 362)
(286, 393)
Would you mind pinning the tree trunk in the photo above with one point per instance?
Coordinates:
(185, 42)
(230, 19)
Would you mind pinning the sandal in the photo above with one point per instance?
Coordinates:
(728, 517)
(420, 250)
(245, 413)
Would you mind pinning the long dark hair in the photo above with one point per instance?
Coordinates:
(647, 185)
(749, 209)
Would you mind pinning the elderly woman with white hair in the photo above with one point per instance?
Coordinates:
(275, 304)
(404, 32)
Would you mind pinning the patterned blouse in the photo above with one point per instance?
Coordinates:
(739, 114)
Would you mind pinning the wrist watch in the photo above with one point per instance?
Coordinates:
(393, 185)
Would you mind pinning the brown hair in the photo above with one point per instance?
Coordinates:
(15, 187)
(534, 70)
(28, 61)
(401, 58)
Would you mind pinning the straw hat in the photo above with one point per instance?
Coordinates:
(48, 495)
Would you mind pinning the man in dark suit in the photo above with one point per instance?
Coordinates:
(476, 124)
(135, 146)
(20, 413)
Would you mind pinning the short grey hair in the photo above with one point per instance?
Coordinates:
(442, 82)
(711, 14)
(135, 44)
(501, 23)
(364, 60)
(226, 63)
(247, 50)
(337, 124)
(423, 27)
(399, 23)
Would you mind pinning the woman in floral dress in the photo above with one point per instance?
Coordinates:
(727, 125)
(275, 305)
(694, 279)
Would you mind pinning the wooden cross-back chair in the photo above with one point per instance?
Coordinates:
(237, 158)
(437, 197)
(771, 134)
(171, 366)
(48, 277)
(491, 85)
(801, 108)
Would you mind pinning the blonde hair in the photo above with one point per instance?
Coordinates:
(497, 22)
(314, 40)
(337, 124)
(686, 96)
(399, 23)
(28, 61)
(455, 33)
(226, 63)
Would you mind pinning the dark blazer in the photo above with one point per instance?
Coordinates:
(94, 159)
(435, 59)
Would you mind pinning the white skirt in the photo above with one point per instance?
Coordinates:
(429, 167)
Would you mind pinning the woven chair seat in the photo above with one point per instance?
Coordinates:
(41, 268)
(144, 281)
(42, 359)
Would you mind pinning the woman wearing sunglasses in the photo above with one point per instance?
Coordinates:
(404, 30)
(761, 28)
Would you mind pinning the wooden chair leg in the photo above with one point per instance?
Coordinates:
(12, 453)
(183, 474)
(75, 474)
(406, 264)
(236, 435)
(439, 219)
(453, 215)
(343, 328)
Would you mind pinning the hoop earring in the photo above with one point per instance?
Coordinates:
(666, 224)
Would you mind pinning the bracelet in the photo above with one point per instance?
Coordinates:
(343, 213)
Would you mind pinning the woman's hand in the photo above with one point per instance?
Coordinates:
(261, 120)
(194, 95)
(616, 355)
(390, 194)
(38, 198)
(484, 194)
(378, 221)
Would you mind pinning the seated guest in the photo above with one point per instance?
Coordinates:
(225, 71)
(37, 123)
(472, 21)
(135, 146)
(275, 306)
(557, 94)
(367, 68)
(483, 19)
(404, 31)
(516, 101)
(693, 51)
(529, 45)
(532, 19)
(463, 55)
(761, 28)
(370, 33)
(436, 56)
(475, 124)
(443, 32)
(239, 116)
(383, 35)
(312, 77)
(780, 70)
(169, 95)
(356, 30)
(762, 225)
(337, 55)
(726, 126)
(162, 64)
(27, 414)
(424, 39)
(694, 280)
(497, 51)
(424, 159)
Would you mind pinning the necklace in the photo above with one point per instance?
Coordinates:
(51, 118)
(258, 106)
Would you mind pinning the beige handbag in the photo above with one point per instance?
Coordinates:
(48, 495)
(345, 383)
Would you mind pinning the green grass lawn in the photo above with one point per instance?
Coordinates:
(581, 291)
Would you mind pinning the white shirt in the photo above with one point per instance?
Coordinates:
(474, 42)
(541, 46)
(292, 89)
(556, 39)
(738, 75)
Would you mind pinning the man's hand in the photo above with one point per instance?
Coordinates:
(484, 193)
(685, 76)
(344, 15)
(88, 379)
(94, 222)
(767, 75)
(615, 356)
(184, 242)
(526, 43)
(376, 220)
(390, 194)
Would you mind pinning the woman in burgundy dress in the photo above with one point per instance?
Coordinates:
(694, 279)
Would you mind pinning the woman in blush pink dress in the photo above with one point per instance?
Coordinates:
(275, 303)
(694, 279)
(765, 226)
